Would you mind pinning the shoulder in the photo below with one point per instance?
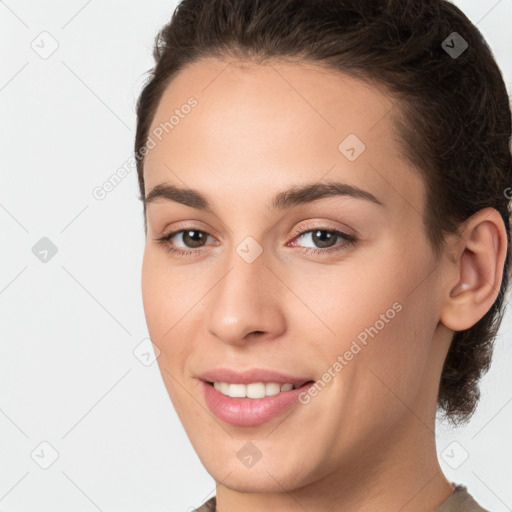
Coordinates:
(208, 506)
(461, 501)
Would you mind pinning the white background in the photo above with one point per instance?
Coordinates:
(68, 375)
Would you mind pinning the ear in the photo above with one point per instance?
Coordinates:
(475, 270)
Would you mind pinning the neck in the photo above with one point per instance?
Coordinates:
(398, 472)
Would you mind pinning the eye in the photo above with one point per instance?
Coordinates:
(194, 237)
(326, 239)
(322, 236)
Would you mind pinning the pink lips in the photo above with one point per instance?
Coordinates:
(248, 412)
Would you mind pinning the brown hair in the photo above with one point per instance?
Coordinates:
(453, 117)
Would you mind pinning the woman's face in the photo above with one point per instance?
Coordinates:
(310, 285)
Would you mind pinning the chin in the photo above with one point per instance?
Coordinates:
(255, 481)
(268, 477)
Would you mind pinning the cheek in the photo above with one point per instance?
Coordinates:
(394, 332)
(376, 312)
(151, 291)
(159, 292)
(163, 293)
(171, 300)
(163, 312)
(349, 300)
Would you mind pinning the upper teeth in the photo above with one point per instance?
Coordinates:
(253, 390)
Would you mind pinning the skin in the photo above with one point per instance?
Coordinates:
(366, 442)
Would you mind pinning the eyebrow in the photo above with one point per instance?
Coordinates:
(283, 200)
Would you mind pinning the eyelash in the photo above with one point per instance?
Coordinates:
(349, 241)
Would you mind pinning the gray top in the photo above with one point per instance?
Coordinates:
(459, 501)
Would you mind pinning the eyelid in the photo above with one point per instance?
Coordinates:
(299, 230)
(189, 226)
(322, 226)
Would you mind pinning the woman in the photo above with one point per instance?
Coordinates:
(327, 243)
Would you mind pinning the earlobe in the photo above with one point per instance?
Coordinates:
(478, 270)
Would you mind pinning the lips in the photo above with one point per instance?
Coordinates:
(252, 375)
(251, 412)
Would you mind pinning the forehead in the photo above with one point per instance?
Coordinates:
(280, 123)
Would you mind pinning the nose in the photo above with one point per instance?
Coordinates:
(246, 303)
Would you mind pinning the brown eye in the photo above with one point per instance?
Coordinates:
(193, 238)
(324, 240)
(190, 239)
